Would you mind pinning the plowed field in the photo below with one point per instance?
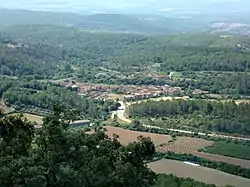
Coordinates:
(186, 145)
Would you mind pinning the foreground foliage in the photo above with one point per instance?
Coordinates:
(54, 156)
(170, 180)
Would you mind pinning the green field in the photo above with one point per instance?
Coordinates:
(230, 149)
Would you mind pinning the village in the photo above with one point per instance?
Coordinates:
(128, 92)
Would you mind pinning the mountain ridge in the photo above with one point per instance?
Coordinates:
(121, 23)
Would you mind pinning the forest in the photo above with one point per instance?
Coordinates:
(214, 64)
(224, 117)
(230, 83)
(127, 50)
(211, 63)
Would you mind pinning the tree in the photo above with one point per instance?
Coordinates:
(62, 157)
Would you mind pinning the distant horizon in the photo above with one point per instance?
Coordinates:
(130, 6)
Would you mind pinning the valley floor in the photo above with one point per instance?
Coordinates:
(207, 175)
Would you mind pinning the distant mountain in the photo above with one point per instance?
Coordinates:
(151, 25)
(122, 23)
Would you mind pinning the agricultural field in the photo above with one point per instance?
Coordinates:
(127, 136)
(229, 149)
(185, 145)
(206, 175)
(34, 118)
(31, 117)
(219, 158)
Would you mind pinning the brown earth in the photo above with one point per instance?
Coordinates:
(186, 145)
(34, 118)
(127, 136)
(206, 175)
(191, 146)
(220, 158)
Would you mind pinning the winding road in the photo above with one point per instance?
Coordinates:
(120, 113)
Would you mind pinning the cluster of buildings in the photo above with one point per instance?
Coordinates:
(146, 92)
(130, 92)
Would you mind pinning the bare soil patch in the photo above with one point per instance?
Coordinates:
(206, 175)
(128, 136)
(220, 158)
(34, 118)
(186, 145)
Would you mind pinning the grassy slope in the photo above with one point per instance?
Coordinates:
(230, 149)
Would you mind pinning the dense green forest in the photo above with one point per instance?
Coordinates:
(224, 117)
(128, 50)
(34, 61)
(215, 82)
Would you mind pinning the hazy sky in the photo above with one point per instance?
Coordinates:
(127, 5)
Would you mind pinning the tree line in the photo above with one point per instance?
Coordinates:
(173, 181)
(227, 117)
(215, 82)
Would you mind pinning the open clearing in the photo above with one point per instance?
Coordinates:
(112, 96)
(186, 145)
(34, 118)
(4, 108)
(207, 175)
(159, 99)
(127, 136)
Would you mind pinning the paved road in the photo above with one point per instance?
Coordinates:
(121, 115)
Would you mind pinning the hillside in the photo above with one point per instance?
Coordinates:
(123, 52)
(96, 22)
(121, 23)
